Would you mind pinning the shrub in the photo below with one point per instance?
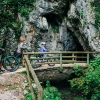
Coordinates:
(89, 82)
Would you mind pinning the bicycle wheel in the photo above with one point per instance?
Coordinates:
(36, 64)
(11, 63)
(51, 60)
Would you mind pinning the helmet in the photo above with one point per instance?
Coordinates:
(43, 43)
(22, 39)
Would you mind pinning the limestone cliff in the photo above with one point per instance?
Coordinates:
(63, 24)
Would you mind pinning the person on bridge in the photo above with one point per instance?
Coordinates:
(1, 51)
(43, 49)
(20, 48)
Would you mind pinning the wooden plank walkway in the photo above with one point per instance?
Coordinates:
(46, 66)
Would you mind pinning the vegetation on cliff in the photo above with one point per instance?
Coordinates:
(96, 7)
(9, 10)
(88, 80)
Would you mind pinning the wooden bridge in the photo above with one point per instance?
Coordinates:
(63, 59)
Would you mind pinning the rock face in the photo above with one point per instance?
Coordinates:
(72, 23)
(63, 24)
(81, 23)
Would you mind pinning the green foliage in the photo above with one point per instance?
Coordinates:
(28, 97)
(9, 84)
(24, 72)
(96, 6)
(66, 95)
(9, 10)
(25, 6)
(60, 69)
(51, 93)
(95, 63)
(89, 81)
(54, 29)
(78, 98)
(18, 28)
(35, 93)
(83, 21)
(1, 44)
(81, 14)
(78, 70)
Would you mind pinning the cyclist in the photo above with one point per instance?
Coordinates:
(37, 63)
(43, 49)
(19, 49)
(1, 70)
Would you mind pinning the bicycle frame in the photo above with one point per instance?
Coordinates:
(38, 63)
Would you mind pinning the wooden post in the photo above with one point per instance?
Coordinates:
(30, 83)
(60, 60)
(87, 58)
(72, 56)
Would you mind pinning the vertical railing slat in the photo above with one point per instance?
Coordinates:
(73, 57)
(87, 58)
(60, 60)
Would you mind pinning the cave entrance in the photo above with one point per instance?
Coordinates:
(76, 41)
(71, 43)
(65, 89)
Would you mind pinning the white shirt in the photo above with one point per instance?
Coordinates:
(20, 45)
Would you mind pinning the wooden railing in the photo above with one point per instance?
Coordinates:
(29, 70)
(63, 58)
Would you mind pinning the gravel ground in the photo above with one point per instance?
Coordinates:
(12, 85)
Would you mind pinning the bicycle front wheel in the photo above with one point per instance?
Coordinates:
(11, 63)
(36, 64)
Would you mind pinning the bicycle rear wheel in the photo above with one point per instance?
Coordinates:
(11, 63)
(51, 60)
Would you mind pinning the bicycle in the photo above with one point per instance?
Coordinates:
(9, 63)
(41, 59)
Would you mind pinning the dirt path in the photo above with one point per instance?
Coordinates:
(12, 85)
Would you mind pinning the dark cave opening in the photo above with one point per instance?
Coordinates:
(60, 84)
(54, 21)
(56, 17)
(64, 87)
(76, 41)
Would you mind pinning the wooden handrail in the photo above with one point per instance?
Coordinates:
(40, 90)
(53, 57)
(58, 52)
